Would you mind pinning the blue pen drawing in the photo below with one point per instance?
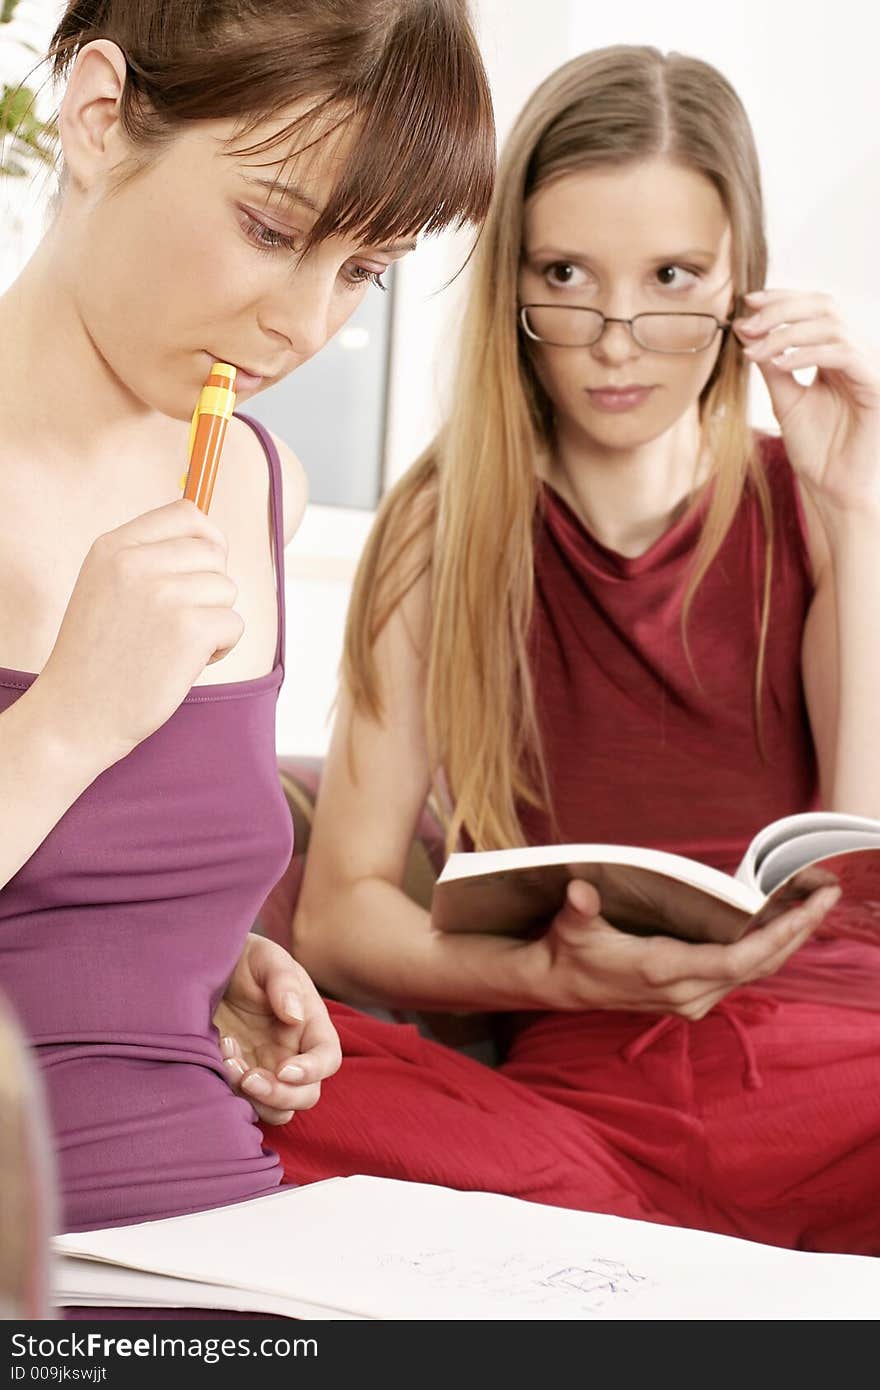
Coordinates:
(574, 1288)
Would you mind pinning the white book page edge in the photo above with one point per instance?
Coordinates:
(791, 827)
(786, 859)
(741, 893)
(79, 1282)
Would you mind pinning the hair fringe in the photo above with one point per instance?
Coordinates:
(409, 71)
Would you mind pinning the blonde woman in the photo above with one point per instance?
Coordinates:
(600, 608)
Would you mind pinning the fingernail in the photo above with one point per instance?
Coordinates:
(292, 1007)
(235, 1065)
(256, 1086)
(291, 1073)
(228, 1047)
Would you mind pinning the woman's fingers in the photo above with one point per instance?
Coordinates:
(268, 1098)
(275, 1101)
(583, 898)
(268, 1088)
(774, 306)
(230, 1048)
(798, 331)
(810, 915)
(696, 968)
(760, 952)
(755, 957)
(276, 972)
(294, 1084)
(809, 332)
(276, 1095)
(316, 1063)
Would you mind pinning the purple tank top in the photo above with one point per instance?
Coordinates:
(119, 933)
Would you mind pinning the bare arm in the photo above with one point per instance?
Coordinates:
(855, 553)
(841, 669)
(42, 772)
(841, 660)
(819, 655)
(356, 931)
(831, 429)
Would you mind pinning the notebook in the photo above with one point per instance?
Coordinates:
(364, 1247)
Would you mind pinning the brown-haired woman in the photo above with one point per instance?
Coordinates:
(599, 609)
(235, 176)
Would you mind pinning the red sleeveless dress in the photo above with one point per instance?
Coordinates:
(763, 1119)
(643, 745)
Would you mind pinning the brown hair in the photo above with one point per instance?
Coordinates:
(465, 510)
(409, 70)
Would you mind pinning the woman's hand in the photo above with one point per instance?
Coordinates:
(588, 964)
(831, 428)
(276, 1038)
(152, 606)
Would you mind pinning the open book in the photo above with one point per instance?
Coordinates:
(365, 1247)
(648, 891)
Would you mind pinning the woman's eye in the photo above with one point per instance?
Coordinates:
(266, 238)
(677, 277)
(358, 275)
(562, 274)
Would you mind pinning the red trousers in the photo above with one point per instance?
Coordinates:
(761, 1121)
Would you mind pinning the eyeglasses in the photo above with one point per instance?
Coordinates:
(570, 325)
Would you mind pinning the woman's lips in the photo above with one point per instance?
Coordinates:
(617, 398)
(246, 381)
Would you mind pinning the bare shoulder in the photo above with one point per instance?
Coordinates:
(294, 483)
(295, 487)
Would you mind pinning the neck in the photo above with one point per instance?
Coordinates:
(627, 498)
(58, 385)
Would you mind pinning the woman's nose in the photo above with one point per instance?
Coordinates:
(617, 343)
(302, 314)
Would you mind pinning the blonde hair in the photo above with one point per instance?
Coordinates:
(27, 1178)
(466, 509)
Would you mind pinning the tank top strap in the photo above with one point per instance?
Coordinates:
(276, 507)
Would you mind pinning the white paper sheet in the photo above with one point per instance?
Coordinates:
(378, 1248)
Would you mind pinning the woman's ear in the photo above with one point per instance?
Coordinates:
(92, 138)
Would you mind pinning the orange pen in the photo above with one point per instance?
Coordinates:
(207, 433)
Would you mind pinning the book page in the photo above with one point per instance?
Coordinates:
(808, 850)
(790, 829)
(79, 1283)
(641, 891)
(379, 1248)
